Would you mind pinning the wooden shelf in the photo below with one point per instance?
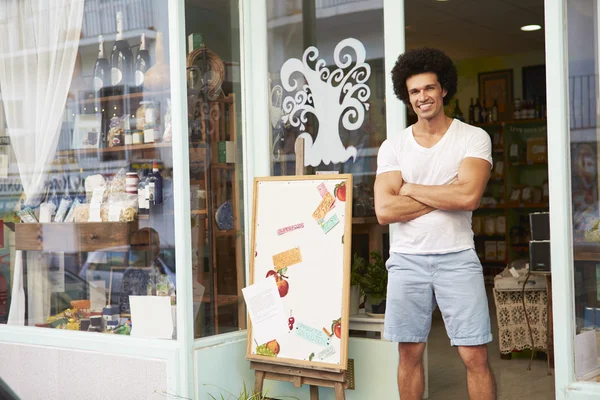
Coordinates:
(116, 149)
(586, 251)
(364, 220)
(199, 212)
(138, 95)
(527, 205)
(223, 166)
(222, 299)
(496, 207)
(492, 261)
(512, 122)
(225, 233)
(528, 164)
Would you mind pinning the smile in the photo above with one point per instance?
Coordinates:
(426, 106)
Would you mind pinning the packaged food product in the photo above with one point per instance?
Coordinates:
(63, 208)
(116, 132)
(27, 215)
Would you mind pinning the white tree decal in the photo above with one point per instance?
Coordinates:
(329, 96)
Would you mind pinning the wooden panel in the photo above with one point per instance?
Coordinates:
(101, 236)
(75, 237)
(586, 251)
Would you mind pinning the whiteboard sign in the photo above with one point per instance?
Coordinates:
(301, 240)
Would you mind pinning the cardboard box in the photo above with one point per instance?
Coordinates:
(501, 250)
(195, 41)
(537, 150)
(491, 250)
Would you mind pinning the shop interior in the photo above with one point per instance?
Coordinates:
(501, 88)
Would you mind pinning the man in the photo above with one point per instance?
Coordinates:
(430, 178)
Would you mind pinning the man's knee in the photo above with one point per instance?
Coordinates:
(474, 357)
(411, 354)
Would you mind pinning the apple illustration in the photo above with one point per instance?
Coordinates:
(340, 191)
(282, 285)
(336, 328)
(273, 346)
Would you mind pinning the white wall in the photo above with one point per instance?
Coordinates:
(36, 372)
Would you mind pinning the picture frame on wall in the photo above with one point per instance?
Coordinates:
(87, 131)
(497, 86)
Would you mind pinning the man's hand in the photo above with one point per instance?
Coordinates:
(390, 205)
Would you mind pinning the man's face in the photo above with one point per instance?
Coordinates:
(426, 95)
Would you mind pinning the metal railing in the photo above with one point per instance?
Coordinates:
(99, 17)
(583, 101)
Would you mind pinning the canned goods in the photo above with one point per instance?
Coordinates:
(131, 182)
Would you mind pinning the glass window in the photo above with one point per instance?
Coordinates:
(216, 179)
(583, 88)
(327, 88)
(86, 166)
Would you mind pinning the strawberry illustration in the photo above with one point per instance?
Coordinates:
(340, 191)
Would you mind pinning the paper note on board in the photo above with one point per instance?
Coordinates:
(323, 192)
(287, 258)
(290, 228)
(313, 335)
(324, 207)
(265, 309)
(330, 223)
(327, 352)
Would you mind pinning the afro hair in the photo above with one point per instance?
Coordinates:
(418, 61)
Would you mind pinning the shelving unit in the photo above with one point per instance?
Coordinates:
(517, 172)
(224, 279)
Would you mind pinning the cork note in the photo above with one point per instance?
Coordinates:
(324, 207)
(287, 258)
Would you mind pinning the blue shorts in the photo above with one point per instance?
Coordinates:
(454, 281)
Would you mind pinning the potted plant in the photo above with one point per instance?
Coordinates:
(357, 270)
(373, 282)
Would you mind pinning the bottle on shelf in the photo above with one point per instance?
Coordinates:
(102, 73)
(121, 60)
(484, 112)
(494, 112)
(471, 112)
(155, 185)
(477, 113)
(142, 63)
(458, 112)
(144, 207)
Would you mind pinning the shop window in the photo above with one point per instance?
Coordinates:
(327, 88)
(86, 169)
(583, 132)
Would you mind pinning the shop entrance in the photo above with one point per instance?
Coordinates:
(499, 56)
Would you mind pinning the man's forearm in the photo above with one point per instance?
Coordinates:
(400, 208)
(454, 197)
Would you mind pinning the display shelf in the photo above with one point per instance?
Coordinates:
(222, 299)
(528, 164)
(495, 207)
(225, 233)
(117, 149)
(118, 97)
(484, 261)
(73, 237)
(513, 121)
(223, 166)
(364, 220)
(527, 205)
(199, 212)
(586, 251)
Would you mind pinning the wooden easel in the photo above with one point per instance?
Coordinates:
(300, 376)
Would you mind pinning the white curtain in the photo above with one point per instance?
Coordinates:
(39, 41)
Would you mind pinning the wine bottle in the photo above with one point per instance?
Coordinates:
(142, 63)
(471, 109)
(477, 113)
(121, 59)
(484, 112)
(458, 112)
(144, 208)
(155, 184)
(495, 111)
(102, 78)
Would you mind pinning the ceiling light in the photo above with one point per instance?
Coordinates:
(531, 28)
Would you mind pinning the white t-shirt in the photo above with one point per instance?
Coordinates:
(438, 232)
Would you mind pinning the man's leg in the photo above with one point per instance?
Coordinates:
(480, 379)
(408, 309)
(411, 376)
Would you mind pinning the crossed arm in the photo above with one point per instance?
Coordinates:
(397, 201)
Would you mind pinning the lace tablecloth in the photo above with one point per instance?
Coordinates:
(513, 333)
